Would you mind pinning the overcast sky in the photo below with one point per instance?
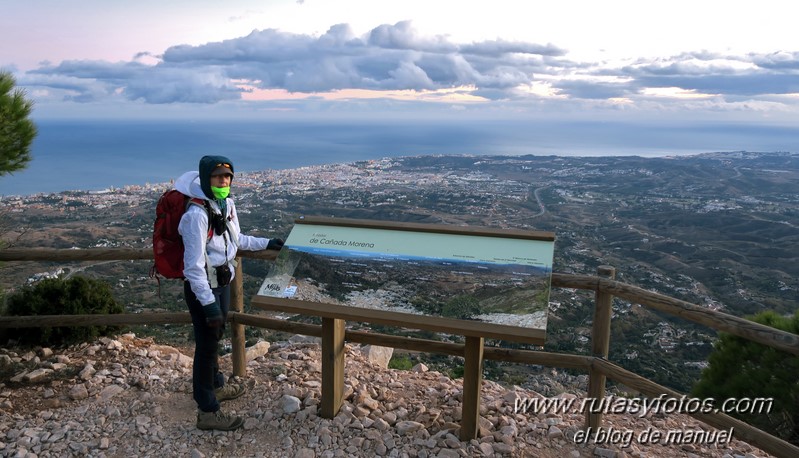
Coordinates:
(721, 62)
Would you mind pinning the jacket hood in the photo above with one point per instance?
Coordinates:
(207, 165)
(189, 184)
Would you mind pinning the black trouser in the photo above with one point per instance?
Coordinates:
(205, 373)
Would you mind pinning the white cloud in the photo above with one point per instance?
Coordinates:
(402, 63)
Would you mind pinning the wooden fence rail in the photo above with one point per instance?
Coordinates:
(605, 287)
(717, 320)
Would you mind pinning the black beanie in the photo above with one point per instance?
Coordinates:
(207, 165)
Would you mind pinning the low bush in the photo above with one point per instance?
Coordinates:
(401, 362)
(58, 296)
(741, 370)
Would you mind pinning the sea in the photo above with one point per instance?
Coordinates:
(98, 154)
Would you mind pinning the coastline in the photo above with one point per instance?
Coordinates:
(94, 155)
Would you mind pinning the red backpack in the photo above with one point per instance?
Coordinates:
(167, 242)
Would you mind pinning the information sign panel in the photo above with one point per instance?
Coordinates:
(488, 275)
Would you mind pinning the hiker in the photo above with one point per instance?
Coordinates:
(211, 237)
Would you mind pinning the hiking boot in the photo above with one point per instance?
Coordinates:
(218, 420)
(229, 391)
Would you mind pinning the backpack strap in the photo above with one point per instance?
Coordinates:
(205, 205)
(233, 237)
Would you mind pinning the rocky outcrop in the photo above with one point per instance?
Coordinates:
(132, 397)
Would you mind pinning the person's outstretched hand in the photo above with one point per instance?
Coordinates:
(275, 244)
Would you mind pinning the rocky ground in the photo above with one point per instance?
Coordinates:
(127, 396)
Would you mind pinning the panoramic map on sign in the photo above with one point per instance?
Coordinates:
(495, 276)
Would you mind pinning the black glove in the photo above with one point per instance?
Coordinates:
(213, 314)
(275, 244)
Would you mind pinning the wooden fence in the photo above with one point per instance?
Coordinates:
(597, 365)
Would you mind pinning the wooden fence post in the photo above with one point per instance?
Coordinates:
(600, 343)
(472, 382)
(237, 329)
(333, 333)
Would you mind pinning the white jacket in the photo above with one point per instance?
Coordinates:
(220, 249)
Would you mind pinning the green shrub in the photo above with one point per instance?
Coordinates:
(456, 372)
(739, 368)
(402, 362)
(57, 296)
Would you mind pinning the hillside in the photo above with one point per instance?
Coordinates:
(128, 396)
(719, 230)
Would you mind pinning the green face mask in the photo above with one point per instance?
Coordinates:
(220, 193)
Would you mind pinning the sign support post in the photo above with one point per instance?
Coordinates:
(332, 366)
(472, 382)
